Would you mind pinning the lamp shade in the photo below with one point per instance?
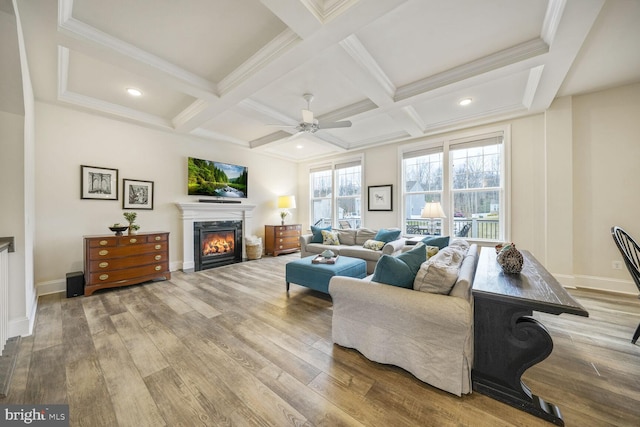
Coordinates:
(432, 210)
(286, 202)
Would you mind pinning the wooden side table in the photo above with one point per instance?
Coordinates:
(282, 239)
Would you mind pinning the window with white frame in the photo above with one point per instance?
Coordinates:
(336, 194)
(467, 177)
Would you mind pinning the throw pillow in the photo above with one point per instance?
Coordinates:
(440, 241)
(317, 233)
(387, 235)
(375, 245)
(400, 270)
(330, 238)
(431, 251)
(440, 273)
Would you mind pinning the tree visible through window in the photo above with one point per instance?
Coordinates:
(473, 197)
(341, 207)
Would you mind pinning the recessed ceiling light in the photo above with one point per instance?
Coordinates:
(299, 146)
(465, 101)
(133, 91)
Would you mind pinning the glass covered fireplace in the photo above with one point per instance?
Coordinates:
(216, 243)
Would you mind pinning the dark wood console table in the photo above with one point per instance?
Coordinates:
(507, 341)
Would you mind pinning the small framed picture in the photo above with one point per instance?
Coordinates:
(98, 183)
(137, 194)
(380, 197)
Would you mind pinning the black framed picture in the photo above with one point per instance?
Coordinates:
(380, 197)
(98, 183)
(137, 194)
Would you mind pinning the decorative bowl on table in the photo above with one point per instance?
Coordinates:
(118, 229)
(327, 253)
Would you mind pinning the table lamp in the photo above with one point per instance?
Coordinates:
(285, 203)
(432, 210)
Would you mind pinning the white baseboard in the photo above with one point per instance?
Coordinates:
(606, 284)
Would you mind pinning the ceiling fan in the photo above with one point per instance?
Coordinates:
(311, 125)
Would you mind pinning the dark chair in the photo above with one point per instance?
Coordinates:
(631, 253)
(344, 224)
(464, 230)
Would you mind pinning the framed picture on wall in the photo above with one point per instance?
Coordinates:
(98, 183)
(380, 197)
(137, 194)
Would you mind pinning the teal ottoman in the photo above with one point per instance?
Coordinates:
(316, 276)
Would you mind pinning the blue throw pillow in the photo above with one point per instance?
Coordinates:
(400, 270)
(317, 233)
(440, 242)
(387, 236)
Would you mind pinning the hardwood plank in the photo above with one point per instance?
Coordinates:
(145, 355)
(130, 397)
(232, 349)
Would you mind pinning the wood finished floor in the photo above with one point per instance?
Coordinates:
(227, 347)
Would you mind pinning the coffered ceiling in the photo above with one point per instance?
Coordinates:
(236, 70)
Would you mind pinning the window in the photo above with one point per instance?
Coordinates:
(340, 208)
(467, 176)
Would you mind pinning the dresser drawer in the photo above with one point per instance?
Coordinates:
(131, 240)
(289, 242)
(127, 273)
(124, 251)
(102, 242)
(109, 264)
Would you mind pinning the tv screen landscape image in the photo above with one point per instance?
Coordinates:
(208, 178)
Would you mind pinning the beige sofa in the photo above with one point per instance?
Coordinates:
(351, 245)
(428, 334)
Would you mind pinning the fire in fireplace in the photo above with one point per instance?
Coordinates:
(217, 243)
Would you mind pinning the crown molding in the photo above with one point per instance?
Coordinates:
(77, 29)
(356, 50)
(514, 54)
(552, 18)
(535, 74)
(281, 43)
(195, 108)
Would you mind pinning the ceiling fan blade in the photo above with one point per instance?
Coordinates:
(307, 116)
(280, 126)
(332, 125)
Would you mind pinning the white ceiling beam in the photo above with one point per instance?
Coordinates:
(408, 118)
(357, 16)
(295, 15)
(578, 17)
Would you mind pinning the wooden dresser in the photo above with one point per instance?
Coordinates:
(282, 239)
(111, 261)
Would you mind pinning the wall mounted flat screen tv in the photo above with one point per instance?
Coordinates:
(208, 178)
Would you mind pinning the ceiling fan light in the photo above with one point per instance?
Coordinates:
(465, 101)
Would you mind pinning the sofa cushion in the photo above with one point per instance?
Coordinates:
(439, 274)
(360, 252)
(347, 237)
(387, 235)
(364, 234)
(317, 233)
(330, 238)
(374, 245)
(400, 270)
(440, 241)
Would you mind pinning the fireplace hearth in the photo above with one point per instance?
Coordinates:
(216, 243)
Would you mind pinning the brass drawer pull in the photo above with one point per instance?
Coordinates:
(104, 242)
(103, 264)
(103, 252)
(158, 238)
(158, 257)
(104, 277)
(133, 240)
(158, 246)
(158, 267)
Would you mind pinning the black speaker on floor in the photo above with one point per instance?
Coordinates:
(75, 284)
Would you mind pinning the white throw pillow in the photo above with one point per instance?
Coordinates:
(439, 274)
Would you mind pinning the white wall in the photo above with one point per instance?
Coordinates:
(606, 176)
(68, 138)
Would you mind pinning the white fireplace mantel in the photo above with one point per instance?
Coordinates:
(197, 212)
